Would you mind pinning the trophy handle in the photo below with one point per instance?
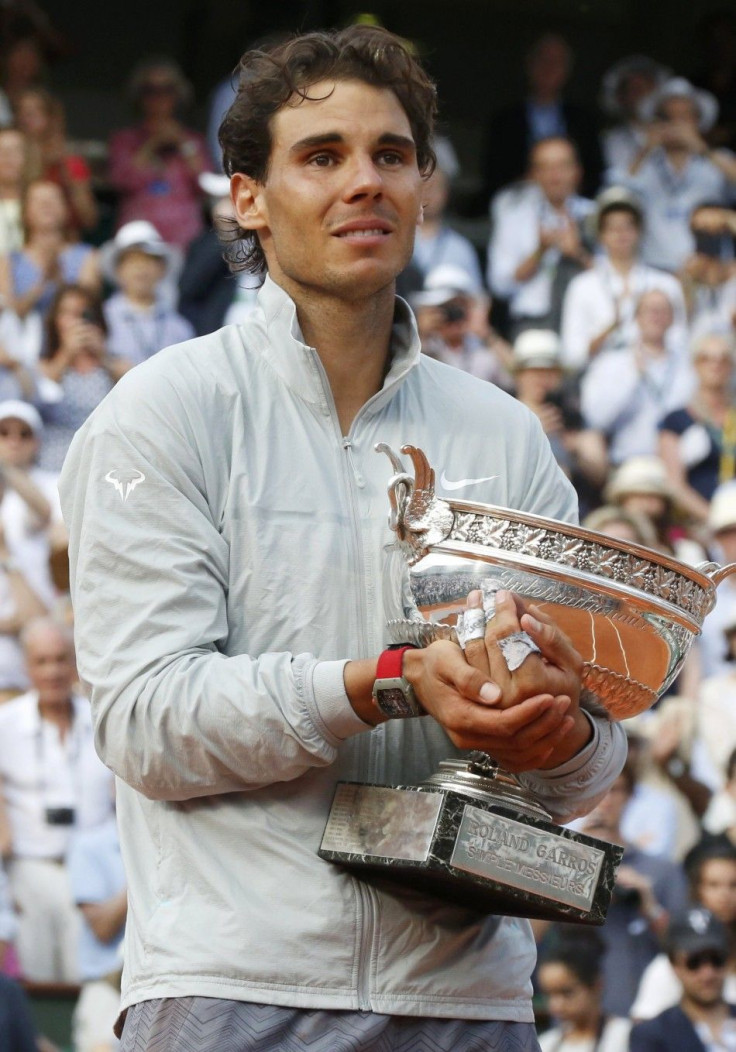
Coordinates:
(418, 517)
(715, 572)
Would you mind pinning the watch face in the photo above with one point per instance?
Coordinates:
(392, 702)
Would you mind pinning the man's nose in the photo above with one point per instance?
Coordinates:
(363, 178)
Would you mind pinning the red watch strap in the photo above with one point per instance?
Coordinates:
(390, 662)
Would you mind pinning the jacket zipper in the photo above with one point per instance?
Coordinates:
(367, 908)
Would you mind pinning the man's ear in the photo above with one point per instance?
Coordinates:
(248, 202)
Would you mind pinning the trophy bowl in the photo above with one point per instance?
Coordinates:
(472, 833)
(631, 612)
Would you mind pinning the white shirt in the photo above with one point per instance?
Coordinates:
(668, 198)
(627, 405)
(447, 247)
(712, 643)
(650, 821)
(621, 145)
(615, 1038)
(39, 771)
(713, 309)
(590, 302)
(27, 540)
(517, 215)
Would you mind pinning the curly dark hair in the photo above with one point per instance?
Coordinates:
(268, 78)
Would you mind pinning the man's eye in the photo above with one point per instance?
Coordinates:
(391, 157)
(321, 160)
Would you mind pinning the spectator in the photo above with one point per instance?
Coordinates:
(30, 277)
(711, 871)
(713, 650)
(139, 321)
(40, 116)
(640, 485)
(155, 164)
(624, 525)
(697, 443)
(537, 243)
(675, 170)
(13, 167)
(436, 243)
(697, 946)
(76, 368)
(97, 881)
(625, 393)
(538, 378)
(52, 783)
(717, 708)
(29, 511)
(445, 312)
(19, 604)
(626, 85)
(600, 304)
(207, 289)
(570, 977)
(707, 277)
(720, 818)
(8, 922)
(648, 890)
(544, 114)
(717, 72)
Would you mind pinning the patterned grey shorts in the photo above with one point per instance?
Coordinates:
(206, 1024)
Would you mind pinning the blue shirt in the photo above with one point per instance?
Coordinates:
(138, 334)
(96, 874)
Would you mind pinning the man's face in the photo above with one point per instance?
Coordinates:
(338, 209)
(50, 665)
(701, 975)
(717, 888)
(619, 234)
(555, 169)
(138, 273)
(549, 66)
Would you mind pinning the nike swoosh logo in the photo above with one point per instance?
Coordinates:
(446, 484)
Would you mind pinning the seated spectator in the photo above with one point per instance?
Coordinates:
(98, 886)
(30, 512)
(76, 367)
(708, 276)
(436, 243)
(40, 116)
(19, 605)
(207, 288)
(698, 949)
(626, 85)
(139, 322)
(52, 783)
(544, 113)
(624, 525)
(675, 170)
(155, 165)
(640, 485)
(537, 244)
(30, 277)
(711, 873)
(446, 310)
(648, 890)
(13, 168)
(697, 443)
(598, 313)
(717, 707)
(712, 645)
(538, 380)
(626, 392)
(570, 977)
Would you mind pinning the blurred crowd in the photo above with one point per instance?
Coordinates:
(604, 299)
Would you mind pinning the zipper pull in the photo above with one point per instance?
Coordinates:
(347, 445)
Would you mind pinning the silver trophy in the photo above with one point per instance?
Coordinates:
(472, 832)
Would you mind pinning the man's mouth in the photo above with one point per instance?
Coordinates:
(371, 232)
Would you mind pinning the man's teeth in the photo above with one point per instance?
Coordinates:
(362, 233)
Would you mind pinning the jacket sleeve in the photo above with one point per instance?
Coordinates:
(174, 717)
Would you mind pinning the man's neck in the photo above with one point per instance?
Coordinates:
(60, 713)
(352, 339)
(714, 1016)
(677, 157)
(622, 265)
(140, 302)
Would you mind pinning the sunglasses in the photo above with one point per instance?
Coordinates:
(715, 958)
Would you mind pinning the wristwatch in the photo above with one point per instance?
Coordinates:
(393, 693)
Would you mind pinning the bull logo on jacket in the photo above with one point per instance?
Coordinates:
(125, 481)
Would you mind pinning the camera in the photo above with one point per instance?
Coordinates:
(60, 816)
(453, 312)
(626, 896)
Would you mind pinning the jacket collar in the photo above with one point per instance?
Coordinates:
(299, 365)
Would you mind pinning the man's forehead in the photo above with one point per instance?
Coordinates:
(350, 108)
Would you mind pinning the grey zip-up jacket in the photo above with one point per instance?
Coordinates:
(226, 554)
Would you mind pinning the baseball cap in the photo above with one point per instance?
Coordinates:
(696, 930)
(536, 349)
(722, 513)
(442, 284)
(14, 409)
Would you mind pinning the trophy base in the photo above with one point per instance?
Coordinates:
(470, 849)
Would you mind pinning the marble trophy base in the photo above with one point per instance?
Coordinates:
(493, 853)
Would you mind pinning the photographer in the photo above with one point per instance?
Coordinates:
(676, 170)
(538, 380)
(708, 277)
(447, 317)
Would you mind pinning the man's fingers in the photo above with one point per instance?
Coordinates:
(553, 643)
